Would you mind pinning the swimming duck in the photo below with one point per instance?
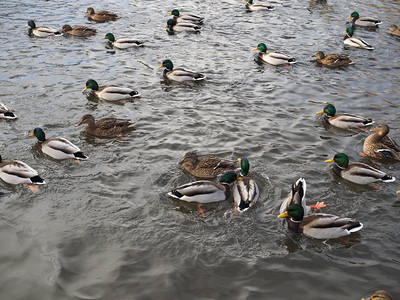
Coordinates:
(173, 26)
(106, 127)
(257, 6)
(333, 60)
(273, 58)
(380, 145)
(364, 21)
(357, 172)
(110, 92)
(122, 43)
(298, 196)
(380, 295)
(354, 42)
(17, 172)
(394, 30)
(186, 18)
(205, 166)
(344, 121)
(58, 148)
(319, 226)
(81, 31)
(6, 113)
(245, 189)
(101, 16)
(42, 31)
(179, 74)
(204, 191)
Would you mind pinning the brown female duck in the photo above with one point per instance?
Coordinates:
(101, 16)
(380, 145)
(333, 60)
(106, 127)
(205, 166)
(82, 31)
(379, 295)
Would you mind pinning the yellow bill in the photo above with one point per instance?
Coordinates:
(329, 160)
(284, 215)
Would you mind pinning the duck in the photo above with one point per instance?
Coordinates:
(357, 172)
(245, 190)
(206, 166)
(186, 18)
(17, 172)
(343, 121)
(122, 43)
(173, 26)
(179, 74)
(106, 127)
(364, 21)
(354, 42)
(257, 6)
(101, 16)
(380, 145)
(333, 60)
(6, 113)
(110, 92)
(58, 148)
(273, 58)
(380, 295)
(297, 195)
(42, 31)
(205, 191)
(319, 226)
(394, 30)
(81, 31)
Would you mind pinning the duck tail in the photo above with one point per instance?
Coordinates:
(388, 178)
(37, 180)
(80, 155)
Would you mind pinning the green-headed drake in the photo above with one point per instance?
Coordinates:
(122, 43)
(257, 6)
(344, 121)
(179, 74)
(273, 58)
(350, 41)
(110, 92)
(42, 31)
(380, 145)
(186, 18)
(173, 26)
(245, 189)
(319, 226)
(364, 21)
(357, 172)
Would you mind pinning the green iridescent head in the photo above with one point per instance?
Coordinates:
(355, 15)
(228, 177)
(175, 13)
(31, 24)
(91, 84)
(39, 133)
(250, 2)
(244, 166)
(167, 64)
(261, 47)
(295, 211)
(330, 110)
(110, 37)
(341, 159)
(350, 31)
(171, 22)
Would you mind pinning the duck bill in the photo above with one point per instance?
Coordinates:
(398, 192)
(103, 38)
(160, 67)
(84, 89)
(170, 14)
(320, 112)
(31, 134)
(253, 48)
(284, 215)
(79, 124)
(376, 129)
(329, 160)
(349, 17)
(239, 160)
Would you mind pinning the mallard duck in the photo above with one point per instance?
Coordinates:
(6, 113)
(81, 31)
(205, 166)
(42, 31)
(179, 74)
(380, 145)
(379, 295)
(354, 42)
(344, 121)
(394, 30)
(58, 148)
(204, 191)
(17, 172)
(257, 6)
(245, 189)
(122, 43)
(333, 60)
(319, 226)
(186, 18)
(101, 16)
(173, 26)
(357, 172)
(298, 196)
(106, 127)
(110, 92)
(364, 21)
(273, 58)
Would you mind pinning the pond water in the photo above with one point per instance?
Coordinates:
(105, 228)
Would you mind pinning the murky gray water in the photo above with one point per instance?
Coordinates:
(105, 229)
